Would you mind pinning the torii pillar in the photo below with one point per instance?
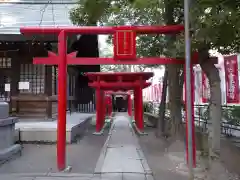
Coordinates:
(100, 109)
(129, 105)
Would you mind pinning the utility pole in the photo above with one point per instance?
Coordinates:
(188, 87)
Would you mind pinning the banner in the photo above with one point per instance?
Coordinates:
(156, 92)
(184, 94)
(198, 85)
(160, 91)
(231, 79)
(205, 88)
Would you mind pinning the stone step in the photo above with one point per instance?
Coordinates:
(31, 115)
(33, 110)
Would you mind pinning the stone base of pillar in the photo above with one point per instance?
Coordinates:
(137, 130)
(8, 148)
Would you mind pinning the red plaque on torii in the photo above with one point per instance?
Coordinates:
(124, 40)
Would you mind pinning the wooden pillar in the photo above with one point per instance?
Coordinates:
(48, 90)
(62, 98)
(140, 110)
(136, 105)
(129, 105)
(15, 78)
(99, 110)
(104, 108)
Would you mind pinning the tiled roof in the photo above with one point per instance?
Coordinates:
(20, 13)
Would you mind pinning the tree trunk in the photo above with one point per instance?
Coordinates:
(162, 107)
(175, 101)
(215, 102)
(215, 113)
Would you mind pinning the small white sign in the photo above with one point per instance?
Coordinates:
(23, 85)
(7, 87)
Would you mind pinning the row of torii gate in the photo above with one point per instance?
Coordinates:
(124, 38)
(107, 84)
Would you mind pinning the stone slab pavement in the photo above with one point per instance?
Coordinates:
(121, 157)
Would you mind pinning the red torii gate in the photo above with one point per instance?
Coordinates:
(128, 93)
(108, 101)
(123, 81)
(124, 53)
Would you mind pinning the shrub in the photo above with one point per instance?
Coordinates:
(147, 107)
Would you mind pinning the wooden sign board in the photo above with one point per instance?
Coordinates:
(124, 44)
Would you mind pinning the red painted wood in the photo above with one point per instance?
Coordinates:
(107, 61)
(129, 105)
(135, 94)
(124, 44)
(140, 109)
(125, 76)
(173, 29)
(118, 92)
(62, 99)
(117, 86)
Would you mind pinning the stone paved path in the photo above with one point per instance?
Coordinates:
(121, 158)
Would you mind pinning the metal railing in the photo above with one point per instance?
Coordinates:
(230, 125)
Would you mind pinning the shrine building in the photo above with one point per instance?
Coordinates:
(31, 90)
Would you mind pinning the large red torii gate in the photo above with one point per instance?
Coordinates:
(124, 53)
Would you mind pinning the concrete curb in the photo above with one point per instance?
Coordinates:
(10, 153)
(98, 168)
(49, 135)
(145, 165)
(141, 133)
(135, 128)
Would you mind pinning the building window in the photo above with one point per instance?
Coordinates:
(5, 62)
(33, 75)
(4, 93)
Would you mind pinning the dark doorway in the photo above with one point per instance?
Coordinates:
(86, 46)
(120, 104)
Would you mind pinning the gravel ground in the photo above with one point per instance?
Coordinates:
(82, 156)
(170, 165)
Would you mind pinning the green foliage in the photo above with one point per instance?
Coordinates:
(204, 112)
(232, 115)
(88, 12)
(147, 107)
(215, 24)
